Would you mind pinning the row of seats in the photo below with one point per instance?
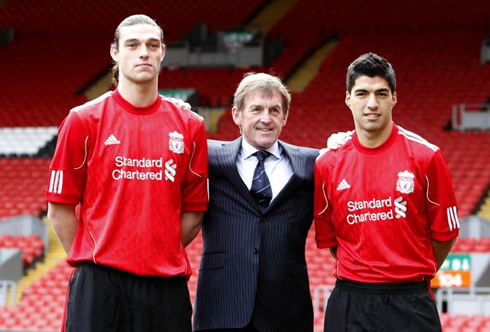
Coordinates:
(25, 141)
(23, 183)
(215, 85)
(91, 17)
(32, 247)
(464, 245)
(41, 306)
(465, 323)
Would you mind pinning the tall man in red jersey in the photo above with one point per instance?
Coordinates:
(386, 209)
(136, 163)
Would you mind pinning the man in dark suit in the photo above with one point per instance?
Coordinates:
(253, 274)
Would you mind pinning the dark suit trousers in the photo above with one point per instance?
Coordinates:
(249, 328)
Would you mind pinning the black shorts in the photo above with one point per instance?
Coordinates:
(355, 306)
(104, 299)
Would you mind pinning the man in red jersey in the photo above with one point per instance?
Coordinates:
(386, 209)
(136, 164)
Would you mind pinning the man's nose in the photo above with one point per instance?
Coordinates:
(265, 117)
(143, 51)
(372, 102)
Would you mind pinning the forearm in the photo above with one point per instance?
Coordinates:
(190, 226)
(64, 221)
(441, 250)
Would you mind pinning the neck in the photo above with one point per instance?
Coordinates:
(138, 94)
(374, 139)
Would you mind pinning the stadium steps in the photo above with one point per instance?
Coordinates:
(270, 15)
(307, 72)
(100, 87)
(52, 258)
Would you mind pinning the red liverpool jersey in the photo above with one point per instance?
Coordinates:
(133, 171)
(382, 207)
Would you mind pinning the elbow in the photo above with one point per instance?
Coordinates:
(60, 213)
(52, 214)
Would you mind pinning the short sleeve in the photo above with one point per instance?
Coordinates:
(194, 188)
(441, 207)
(324, 230)
(68, 172)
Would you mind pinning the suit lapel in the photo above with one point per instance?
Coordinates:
(297, 161)
(228, 155)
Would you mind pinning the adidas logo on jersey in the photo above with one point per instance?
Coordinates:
(343, 185)
(112, 140)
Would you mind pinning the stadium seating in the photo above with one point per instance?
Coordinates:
(23, 183)
(472, 245)
(32, 247)
(25, 141)
(59, 50)
(465, 323)
(41, 306)
(91, 17)
(215, 85)
(77, 35)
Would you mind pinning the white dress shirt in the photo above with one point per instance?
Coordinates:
(277, 166)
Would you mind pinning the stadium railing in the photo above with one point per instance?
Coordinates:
(471, 116)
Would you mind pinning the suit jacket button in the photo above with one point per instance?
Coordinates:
(256, 250)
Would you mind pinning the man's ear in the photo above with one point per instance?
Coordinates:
(347, 99)
(114, 53)
(236, 116)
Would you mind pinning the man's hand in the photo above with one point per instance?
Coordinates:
(178, 102)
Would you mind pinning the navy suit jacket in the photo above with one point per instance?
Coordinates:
(253, 262)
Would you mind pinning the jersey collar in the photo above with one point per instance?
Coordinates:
(127, 106)
(383, 147)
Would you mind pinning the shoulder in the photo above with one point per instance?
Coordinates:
(326, 158)
(90, 106)
(418, 143)
(301, 150)
(215, 145)
(85, 115)
(331, 157)
(182, 108)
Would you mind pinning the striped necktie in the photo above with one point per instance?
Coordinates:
(261, 187)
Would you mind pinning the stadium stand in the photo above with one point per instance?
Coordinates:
(472, 245)
(57, 53)
(32, 247)
(22, 186)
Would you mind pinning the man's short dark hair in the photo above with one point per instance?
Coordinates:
(370, 65)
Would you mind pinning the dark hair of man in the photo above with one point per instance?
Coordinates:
(370, 65)
(128, 21)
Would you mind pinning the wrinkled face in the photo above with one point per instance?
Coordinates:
(261, 119)
(140, 53)
(371, 103)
